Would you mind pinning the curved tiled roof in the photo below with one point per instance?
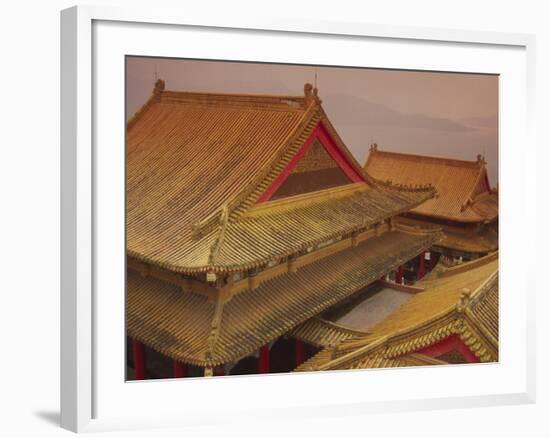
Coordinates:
(462, 192)
(187, 327)
(481, 240)
(321, 333)
(292, 225)
(438, 312)
(187, 155)
(197, 163)
(486, 205)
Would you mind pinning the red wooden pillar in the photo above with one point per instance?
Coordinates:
(263, 361)
(219, 371)
(421, 268)
(139, 359)
(299, 350)
(399, 275)
(180, 369)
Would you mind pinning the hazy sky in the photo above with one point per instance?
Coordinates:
(442, 114)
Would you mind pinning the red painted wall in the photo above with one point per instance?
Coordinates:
(448, 344)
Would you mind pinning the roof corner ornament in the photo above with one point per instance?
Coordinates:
(466, 204)
(374, 147)
(480, 159)
(464, 299)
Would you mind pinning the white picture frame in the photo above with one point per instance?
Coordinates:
(92, 396)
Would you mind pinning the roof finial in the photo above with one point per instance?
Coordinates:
(373, 147)
(481, 158)
(159, 87)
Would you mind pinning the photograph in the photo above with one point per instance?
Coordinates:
(296, 218)
(286, 219)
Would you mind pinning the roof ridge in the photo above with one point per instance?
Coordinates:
(208, 94)
(160, 93)
(365, 349)
(479, 162)
(218, 243)
(340, 327)
(473, 264)
(215, 329)
(342, 145)
(483, 288)
(389, 184)
(470, 310)
(471, 194)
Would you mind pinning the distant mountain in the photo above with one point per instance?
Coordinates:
(481, 122)
(347, 109)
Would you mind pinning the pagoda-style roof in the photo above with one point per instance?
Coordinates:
(479, 240)
(219, 182)
(322, 333)
(187, 327)
(463, 191)
(461, 301)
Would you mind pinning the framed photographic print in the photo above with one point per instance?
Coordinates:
(304, 217)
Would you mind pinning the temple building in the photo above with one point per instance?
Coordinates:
(450, 316)
(466, 206)
(246, 217)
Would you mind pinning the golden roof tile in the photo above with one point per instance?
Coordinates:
(187, 155)
(196, 165)
(438, 312)
(462, 192)
(321, 333)
(479, 240)
(277, 229)
(180, 324)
